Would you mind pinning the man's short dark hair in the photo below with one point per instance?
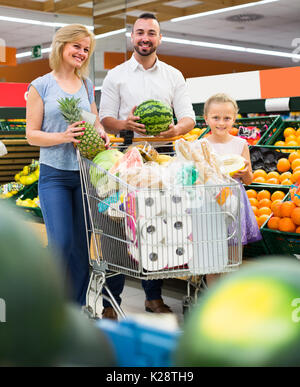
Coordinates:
(147, 15)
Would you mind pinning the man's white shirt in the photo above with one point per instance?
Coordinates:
(129, 84)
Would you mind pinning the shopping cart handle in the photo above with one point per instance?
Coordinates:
(121, 140)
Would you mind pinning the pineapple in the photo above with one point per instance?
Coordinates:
(90, 143)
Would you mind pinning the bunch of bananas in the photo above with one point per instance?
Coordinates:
(33, 203)
(29, 174)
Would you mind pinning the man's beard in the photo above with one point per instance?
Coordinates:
(143, 53)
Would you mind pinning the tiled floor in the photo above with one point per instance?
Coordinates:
(133, 298)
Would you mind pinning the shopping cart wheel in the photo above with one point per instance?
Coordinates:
(89, 312)
(186, 304)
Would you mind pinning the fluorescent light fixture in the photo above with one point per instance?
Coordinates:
(230, 47)
(28, 53)
(234, 8)
(37, 22)
(111, 33)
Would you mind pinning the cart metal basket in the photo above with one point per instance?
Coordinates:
(170, 232)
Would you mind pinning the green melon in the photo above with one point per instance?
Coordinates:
(31, 292)
(250, 318)
(155, 115)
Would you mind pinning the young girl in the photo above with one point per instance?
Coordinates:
(220, 112)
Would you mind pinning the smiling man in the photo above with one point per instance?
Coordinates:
(140, 78)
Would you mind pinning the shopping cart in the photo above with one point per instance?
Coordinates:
(157, 233)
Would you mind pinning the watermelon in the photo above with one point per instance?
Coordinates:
(155, 115)
(249, 318)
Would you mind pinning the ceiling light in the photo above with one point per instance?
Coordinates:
(231, 48)
(28, 53)
(195, 15)
(37, 22)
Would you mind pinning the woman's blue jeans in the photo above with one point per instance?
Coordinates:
(62, 208)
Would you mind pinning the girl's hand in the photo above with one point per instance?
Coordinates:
(72, 132)
(243, 172)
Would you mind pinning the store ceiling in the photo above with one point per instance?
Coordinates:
(272, 26)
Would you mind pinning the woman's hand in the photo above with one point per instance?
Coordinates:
(73, 131)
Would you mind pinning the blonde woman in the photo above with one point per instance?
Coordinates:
(59, 182)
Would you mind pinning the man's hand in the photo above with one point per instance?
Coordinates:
(131, 124)
(173, 131)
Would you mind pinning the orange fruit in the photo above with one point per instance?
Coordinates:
(298, 132)
(272, 174)
(259, 179)
(263, 194)
(235, 131)
(253, 202)
(296, 169)
(261, 219)
(264, 203)
(285, 175)
(288, 132)
(279, 143)
(291, 143)
(260, 173)
(255, 210)
(275, 208)
(286, 225)
(295, 164)
(264, 211)
(287, 182)
(273, 223)
(277, 195)
(251, 193)
(298, 230)
(273, 180)
(283, 165)
(293, 156)
(295, 216)
(295, 176)
(286, 209)
(291, 137)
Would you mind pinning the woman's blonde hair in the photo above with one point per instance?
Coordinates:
(219, 98)
(70, 34)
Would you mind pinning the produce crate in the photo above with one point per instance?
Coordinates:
(267, 124)
(278, 242)
(259, 248)
(278, 135)
(265, 157)
(29, 192)
(12, 127)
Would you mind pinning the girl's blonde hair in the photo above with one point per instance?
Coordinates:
(70, 34)
(219, 98)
